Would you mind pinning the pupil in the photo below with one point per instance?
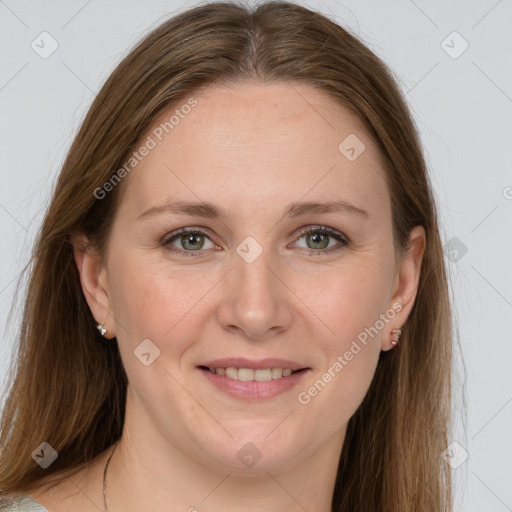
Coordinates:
(191, 239)
(318, 238)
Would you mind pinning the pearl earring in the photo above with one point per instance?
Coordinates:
(396, 335)
(101, 329)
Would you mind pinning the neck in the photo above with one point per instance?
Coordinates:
(151, 473)
(135, 485)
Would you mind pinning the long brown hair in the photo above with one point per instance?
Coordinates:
(68, 387)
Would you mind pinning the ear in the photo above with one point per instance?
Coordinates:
(406, 283)
(93, 278)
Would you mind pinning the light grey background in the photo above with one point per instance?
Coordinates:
(462, 106)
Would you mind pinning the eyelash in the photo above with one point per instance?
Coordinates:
(312, 229)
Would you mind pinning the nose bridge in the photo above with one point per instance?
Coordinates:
(254, 286)
(254, 299)
(253, 277)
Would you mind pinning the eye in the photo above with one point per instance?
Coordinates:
(317, 239)
(187, 241)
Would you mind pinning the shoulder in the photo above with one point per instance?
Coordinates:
(20, 502)
(70, 491)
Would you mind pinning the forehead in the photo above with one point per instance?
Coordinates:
(246, 143)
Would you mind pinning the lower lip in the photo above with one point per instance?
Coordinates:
(254, 391)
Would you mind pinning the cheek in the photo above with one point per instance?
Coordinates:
(352, 300)
(152, 300)
(153, 303)
(353, 307)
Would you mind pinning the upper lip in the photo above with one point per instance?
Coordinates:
(260, 364)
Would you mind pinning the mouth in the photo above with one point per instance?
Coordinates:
(253, 381)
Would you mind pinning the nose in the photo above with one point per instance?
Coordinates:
(256, 300)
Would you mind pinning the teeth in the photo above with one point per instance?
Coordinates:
(245, 374)
(277, 373)
(248, 374)
(262, 375)
(232, 373)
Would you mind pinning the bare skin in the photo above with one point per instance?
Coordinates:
(251, 150)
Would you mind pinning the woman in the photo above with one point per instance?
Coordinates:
(238, 298)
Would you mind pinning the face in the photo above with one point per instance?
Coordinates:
(260, 273)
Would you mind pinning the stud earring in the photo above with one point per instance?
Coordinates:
(101, 329)
(396, 335)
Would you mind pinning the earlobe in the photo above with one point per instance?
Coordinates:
(406, 286)
(93, 282)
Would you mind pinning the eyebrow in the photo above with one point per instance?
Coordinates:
(211, 211)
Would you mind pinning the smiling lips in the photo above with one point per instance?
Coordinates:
(253, 380)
